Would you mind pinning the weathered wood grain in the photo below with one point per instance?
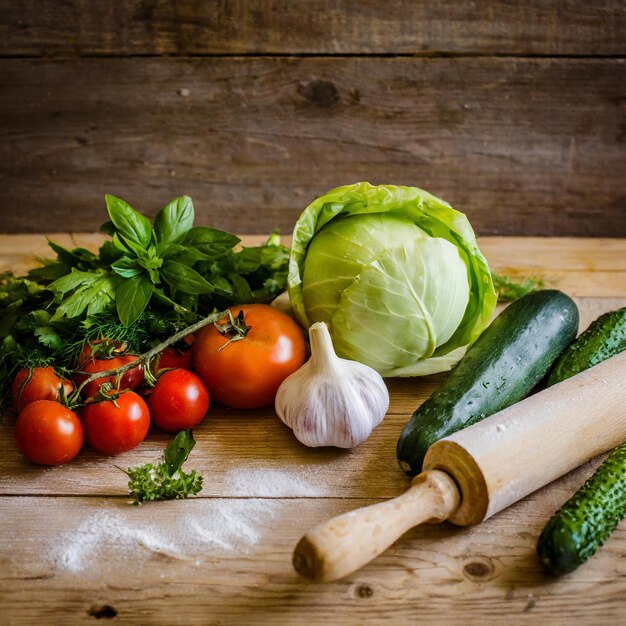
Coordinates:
(524, 146)
(141, 27)
(228, 561)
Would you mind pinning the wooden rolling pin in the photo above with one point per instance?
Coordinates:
(481, 470)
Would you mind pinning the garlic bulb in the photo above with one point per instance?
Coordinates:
(331, 401)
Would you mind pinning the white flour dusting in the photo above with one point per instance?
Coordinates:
(106, 531)
(269, 483)
(202, 526)
(231, 525)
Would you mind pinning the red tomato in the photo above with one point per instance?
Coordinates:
(179, 400)
(101, 349)
(48, 433)
(246, 373)
(173, 357)
(130, 380)
(113, 429)
(42, 383)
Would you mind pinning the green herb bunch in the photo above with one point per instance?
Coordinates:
(181, 267)
(145, 283)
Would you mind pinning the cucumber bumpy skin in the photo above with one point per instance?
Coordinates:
(585, 521)
(604, 338)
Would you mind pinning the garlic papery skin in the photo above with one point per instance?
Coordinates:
(331, 401)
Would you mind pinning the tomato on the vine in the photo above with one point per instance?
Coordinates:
(179, 355)
(90, 365)
(48, 433)
(178, 401)
(101, 349)
(244, 368)
(40, 383)
(115, 426)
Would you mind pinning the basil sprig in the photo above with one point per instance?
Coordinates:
(168, 262)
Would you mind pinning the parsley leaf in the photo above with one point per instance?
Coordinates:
(166, 481)
(509, 290)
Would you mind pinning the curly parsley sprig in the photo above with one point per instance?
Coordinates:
(167, 480)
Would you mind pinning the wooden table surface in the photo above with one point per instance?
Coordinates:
(72, 549)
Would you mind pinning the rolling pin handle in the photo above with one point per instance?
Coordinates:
(342, 545)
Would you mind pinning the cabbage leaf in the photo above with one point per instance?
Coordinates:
(395, 273)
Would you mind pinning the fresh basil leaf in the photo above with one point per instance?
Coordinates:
(210, 241)
(132, 297)
(149, 259)
(62, 253)
(120, 244)
(222, 286)
(173, 221)
(274, 257)
(50, 271)
(189, 301)
(134, 247)
(109, 252)
(73, 257)
(242, 288)
(108, 228)
(126, 267)
(130, 223)
(155, 277)
(167, 301)
(188, 256)
(173, 250)
(178, 450)
(184, 279)
(248, 260)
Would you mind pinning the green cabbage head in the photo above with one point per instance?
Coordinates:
(395, 273)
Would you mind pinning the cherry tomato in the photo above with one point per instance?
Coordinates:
(48, 433)
(175, 357)
(114, 429)
(40, 383)
(130, 380)
(247, 372)
(179, 400)
(101, 349)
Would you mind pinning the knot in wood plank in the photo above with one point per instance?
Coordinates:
(479, 568)
(321, 93)
(105, 611)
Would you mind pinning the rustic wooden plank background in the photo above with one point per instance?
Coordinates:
(185, 27)
(512, 111)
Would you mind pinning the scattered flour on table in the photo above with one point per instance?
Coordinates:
(268, 483)
(105, 531)
(201, 526)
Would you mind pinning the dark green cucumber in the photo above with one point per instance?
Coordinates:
(584, 522)
(511, 356)
(604, 338)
